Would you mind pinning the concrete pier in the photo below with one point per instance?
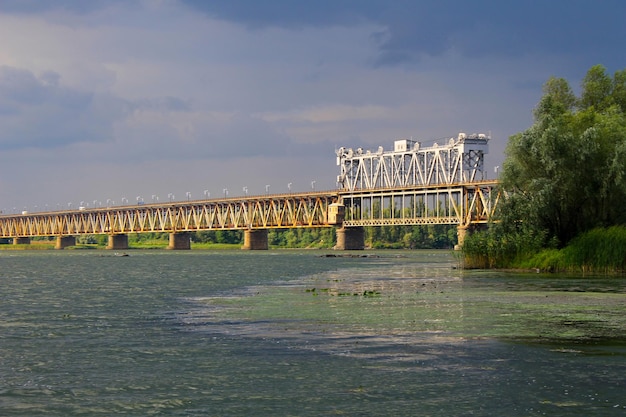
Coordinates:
(179, 241)
(350, 238)
(64, 242)
(255, 239)
(21, 240)
(461, 232)
(118, 242)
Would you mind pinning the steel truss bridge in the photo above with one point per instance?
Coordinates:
(411, 185)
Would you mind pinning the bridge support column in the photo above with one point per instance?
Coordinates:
(461, 232)
(65, 241)
(350, 238)
(179, 241)
(21, 240)
(255, 239)
(118, 242)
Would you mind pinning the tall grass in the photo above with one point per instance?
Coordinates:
(600, 250)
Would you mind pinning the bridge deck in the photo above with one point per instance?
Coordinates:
(458, 204)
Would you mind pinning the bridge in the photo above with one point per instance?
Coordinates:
(409, 185)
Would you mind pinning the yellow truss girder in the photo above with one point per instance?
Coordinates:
(456, 204)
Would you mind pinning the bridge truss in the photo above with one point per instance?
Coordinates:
(413, 185)
(261, 212)
(459, 161)
(462, 205)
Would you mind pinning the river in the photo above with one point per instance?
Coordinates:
(303, 333)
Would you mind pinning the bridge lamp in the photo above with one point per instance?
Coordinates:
(289, 187)
(124, 199)
(188, 195)
(495, 169)
(225, 192)
(207, 194)
(313, 184)
(267, 188)
(170, 197)
(245, 190)
(155, 198)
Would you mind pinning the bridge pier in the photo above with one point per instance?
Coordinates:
(64, 242)
(350, 238)
(179, 241)
(255, 239)
(461, 232)
(118, 242)
(21, 241)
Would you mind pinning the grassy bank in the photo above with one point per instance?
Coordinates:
(600, 250)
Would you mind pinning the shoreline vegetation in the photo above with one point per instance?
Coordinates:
(563, 184)
(599, 251)
(385, 237)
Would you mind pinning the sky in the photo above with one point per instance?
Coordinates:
(108, 102)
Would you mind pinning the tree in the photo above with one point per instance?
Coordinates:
(566, 174)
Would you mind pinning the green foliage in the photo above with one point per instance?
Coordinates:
(497, 248)
(566, 174)
(411, 237)
(599, 250)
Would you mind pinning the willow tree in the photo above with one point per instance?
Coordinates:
(566, 174)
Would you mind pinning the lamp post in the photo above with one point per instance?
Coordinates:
(170, 197)
(207, 194)
(225, 192)
(267, 189)
(289, 187)
(245, 191)
(313, 184)
(188, 195)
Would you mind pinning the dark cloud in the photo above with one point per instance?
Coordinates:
(480, 28)
(38, 6)
(39, 112)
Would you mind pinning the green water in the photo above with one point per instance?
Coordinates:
(293, 333)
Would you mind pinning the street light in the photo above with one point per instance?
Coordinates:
(313, 184)
(267, 189)
(207, 194)
(245, 190)
(225, 192)
(170, 197)
(155, 198)
(188, 195)
(289, 187)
